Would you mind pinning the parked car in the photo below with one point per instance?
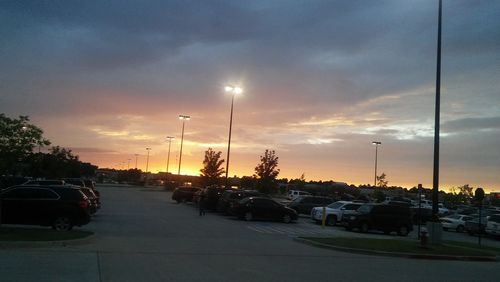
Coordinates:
(293, 194)
(211, 196)
(334, 212)
(472, 226)
(61, 207)
(91, 184)
(229, 197)
(493, 225)
(184, 193)
(455, 222)
(304, 204)
(421, 215)
(263, 208)
(383, 217)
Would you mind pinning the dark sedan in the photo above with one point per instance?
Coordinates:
(264, 209)
(229, 197)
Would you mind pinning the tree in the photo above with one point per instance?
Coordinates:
(211, 171)
(267, 171)
(18, 138)
(381, 181)
(466, 190)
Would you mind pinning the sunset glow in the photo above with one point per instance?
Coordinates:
(316, 82)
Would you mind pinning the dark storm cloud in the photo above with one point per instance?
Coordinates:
(472, 124)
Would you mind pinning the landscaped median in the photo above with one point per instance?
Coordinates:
(449, 250)
(31, 235)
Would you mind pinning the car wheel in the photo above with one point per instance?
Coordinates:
(248, 216)
(331, 220)
(403, 230)
(460, 228)
(364, 227)
(287, 218)
(62, 223)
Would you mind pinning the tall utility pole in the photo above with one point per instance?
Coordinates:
(376, 143)
(169, 138)
(435, 179)
(234, 91)
(183, 118)
(147, 159)
(136, 155)
(128, 164)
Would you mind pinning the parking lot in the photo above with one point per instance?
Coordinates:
(142, 235)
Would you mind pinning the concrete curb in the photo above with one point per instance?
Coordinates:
(41, 244)
(401, 255)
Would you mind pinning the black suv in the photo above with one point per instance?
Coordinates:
(184, 193)
(305, 204)
(61, 207)
(383, 217)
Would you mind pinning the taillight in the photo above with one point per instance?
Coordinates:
(83, 204)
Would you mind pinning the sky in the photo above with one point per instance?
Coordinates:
(321, 81)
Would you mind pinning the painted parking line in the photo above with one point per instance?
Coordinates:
(269, 229)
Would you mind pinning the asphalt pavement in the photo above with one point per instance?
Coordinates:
(142, 235)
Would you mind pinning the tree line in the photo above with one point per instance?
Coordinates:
(20, 153)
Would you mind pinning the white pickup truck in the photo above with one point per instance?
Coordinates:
(334, 212)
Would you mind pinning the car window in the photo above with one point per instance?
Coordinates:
(352, 206)
(365, 208)
(30, 193)
(263, 203)
(19, 193)
(495, 218)
(335, 205)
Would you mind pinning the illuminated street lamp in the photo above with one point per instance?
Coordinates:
(183, 118)
(147, 159)
(234, 90)
(376, 143)
(169, 138)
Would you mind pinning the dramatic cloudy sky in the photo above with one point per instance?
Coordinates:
(321, 79)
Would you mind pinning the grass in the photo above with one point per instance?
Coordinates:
(410, 247)
(18, 234)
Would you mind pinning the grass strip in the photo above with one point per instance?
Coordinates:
(405, 246)
(17, 234)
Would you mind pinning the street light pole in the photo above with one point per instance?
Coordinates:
(234, 91)
(136, 155)
(435, 178)
(376, 143)
(128, 164)
(169, 138)
(183, 118)
(147, 160)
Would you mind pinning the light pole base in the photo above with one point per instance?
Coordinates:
(435, 233)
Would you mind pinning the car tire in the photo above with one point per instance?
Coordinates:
(287, 218)
(403, 230)
(248, 216)
(62, 223)
(460, 228)
(331, 220)
(363, 228)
